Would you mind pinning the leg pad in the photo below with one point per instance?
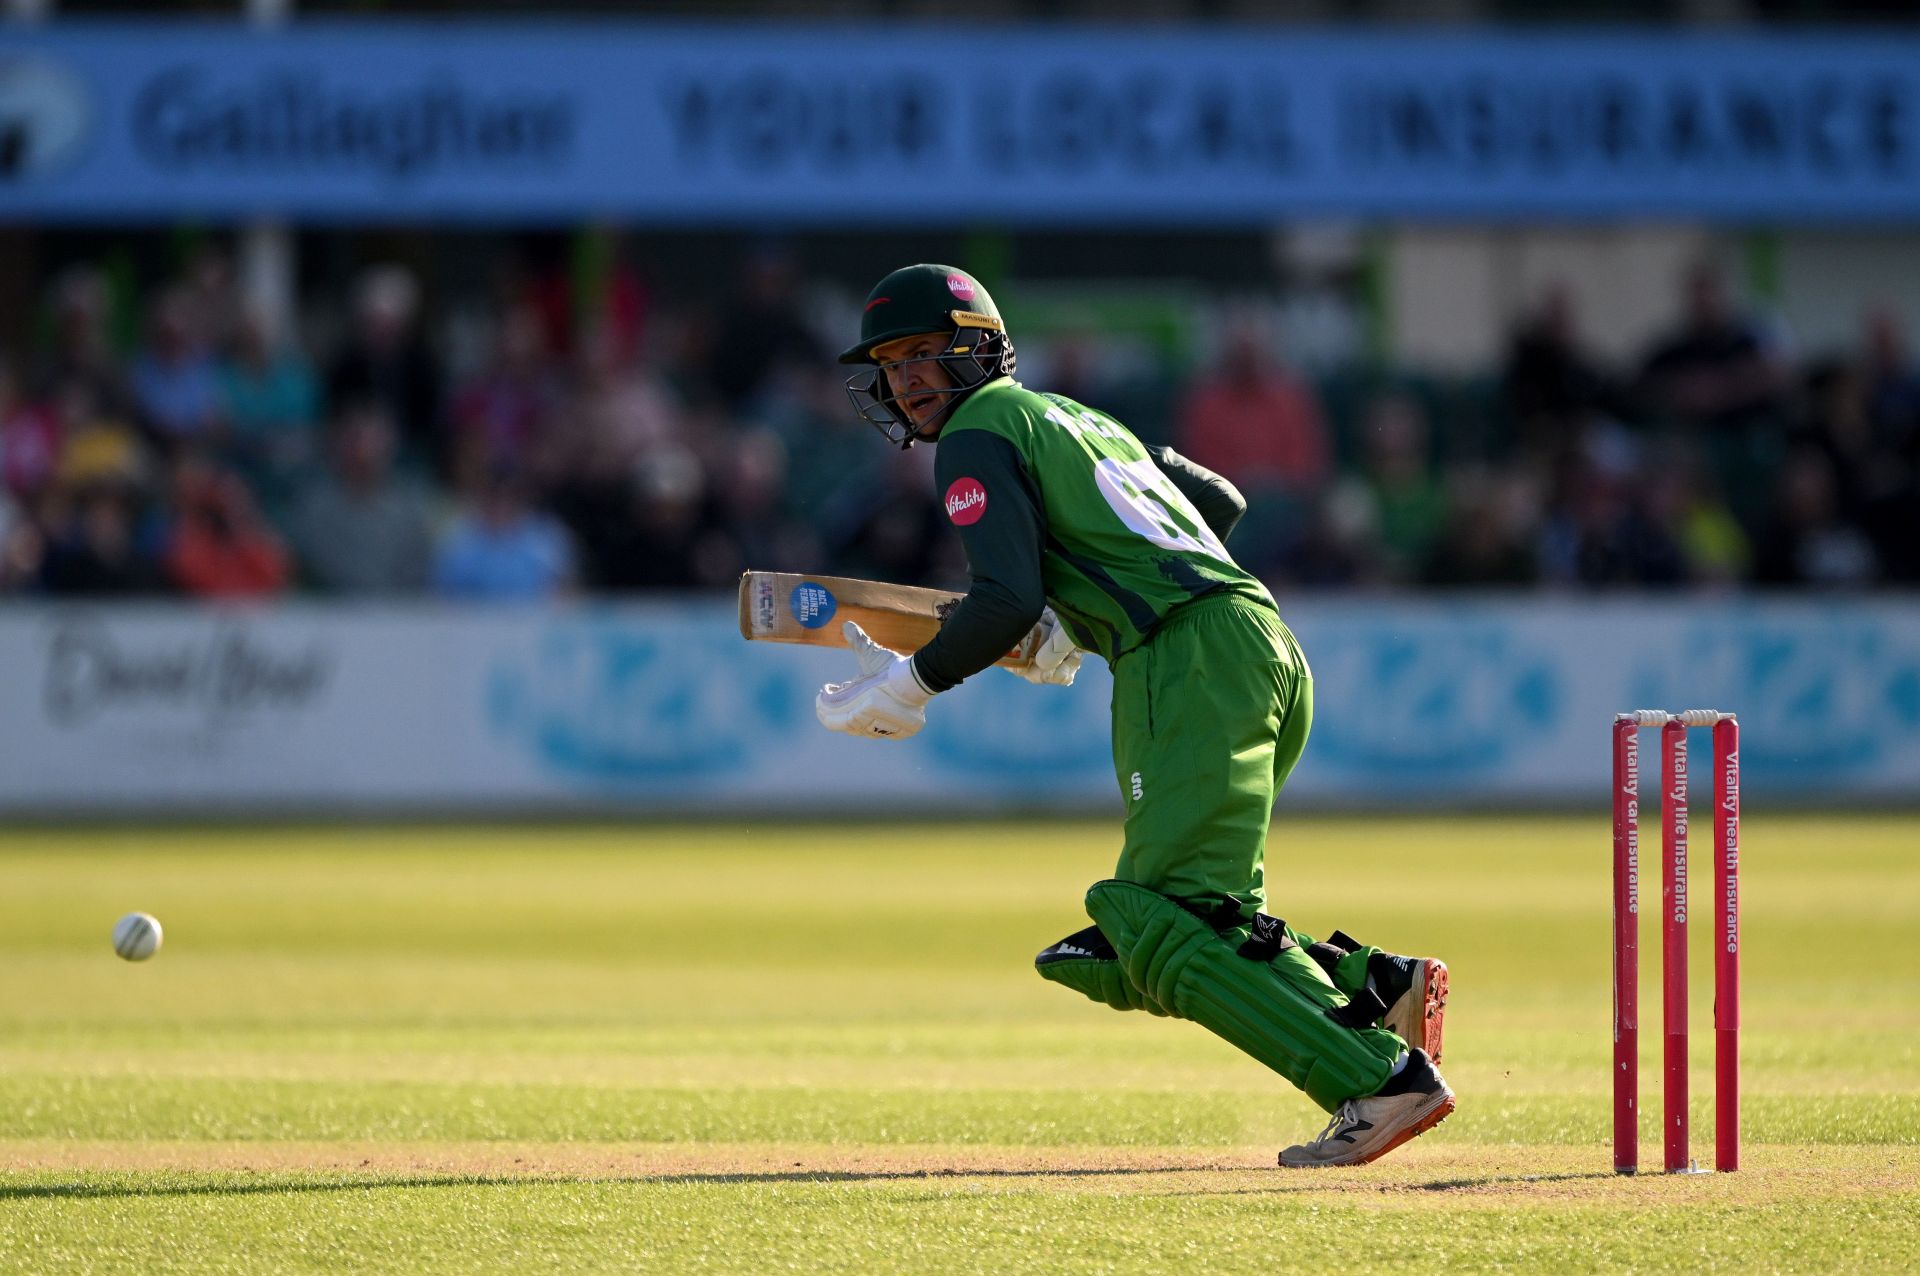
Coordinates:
(1085, 962)
(1284, 1012)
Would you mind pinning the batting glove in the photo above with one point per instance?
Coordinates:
(1056, 660)
(886, 702)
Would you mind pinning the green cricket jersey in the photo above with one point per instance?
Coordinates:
(1059, 504)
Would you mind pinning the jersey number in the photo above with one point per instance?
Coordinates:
(1134, 490)
(1138, 492)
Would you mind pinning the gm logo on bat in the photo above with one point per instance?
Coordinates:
(812, 605)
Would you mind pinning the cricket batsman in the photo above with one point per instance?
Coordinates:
(1069, 521)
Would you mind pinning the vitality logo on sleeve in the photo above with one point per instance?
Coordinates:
(966, 501)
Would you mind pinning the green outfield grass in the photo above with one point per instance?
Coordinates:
(804, 1048)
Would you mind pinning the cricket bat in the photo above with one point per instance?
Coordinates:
(788, 607)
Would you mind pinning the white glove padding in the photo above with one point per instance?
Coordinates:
(1056, 660)
(885, 702)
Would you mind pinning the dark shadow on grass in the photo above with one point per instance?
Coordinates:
(270, 1185)
(1325, 1180)
(1282, 1182)
(910, 1176)
(280, 1183)
(1496, 1180)
(87, 1191)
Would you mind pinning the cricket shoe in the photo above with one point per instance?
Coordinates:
(1419, 1014)
(1410, 991)
(1362, 1130)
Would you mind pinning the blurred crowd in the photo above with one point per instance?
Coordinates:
(1716, 459)
(620, 442)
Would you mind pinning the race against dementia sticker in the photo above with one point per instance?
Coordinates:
(966, 501)
(812, 605)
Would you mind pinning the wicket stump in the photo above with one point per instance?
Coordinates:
(1673, 932)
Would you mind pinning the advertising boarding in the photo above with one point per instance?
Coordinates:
(824, 124)
(661, 707)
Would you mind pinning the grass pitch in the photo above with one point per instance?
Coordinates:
(808, 1048)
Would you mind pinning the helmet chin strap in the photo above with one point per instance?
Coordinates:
(929, 430)
(935, 423)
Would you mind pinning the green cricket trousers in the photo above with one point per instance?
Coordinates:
(1209, 718)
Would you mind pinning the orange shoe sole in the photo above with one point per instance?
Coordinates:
(1435, 1011)
(1433, 1117)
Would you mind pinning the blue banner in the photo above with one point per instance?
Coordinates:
(659, 706)
(905, 124)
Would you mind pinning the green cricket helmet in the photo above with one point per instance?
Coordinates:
(910, 302)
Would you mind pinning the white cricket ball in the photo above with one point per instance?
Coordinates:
(136, 936)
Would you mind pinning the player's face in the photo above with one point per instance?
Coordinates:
(915, 375)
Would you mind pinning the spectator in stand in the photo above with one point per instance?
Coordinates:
(762, 334)
(502, 550)
(271, 403)
(829, 450)
(890, 527)
(1654, 534)
(29, 438)
(631, 492)
(1720, 369)
(92, 548)
(218, 545)
(83, 350)
(1487, 539)
(176, 386)
(388, 363)
(1834, 420)
(1684, 497)
(755, 529)
(506, 412)
(1253, 421)
(1411, 506)
(1625, 515)
(212, 296)
(1072, 368)
(95, 446)
(661, 537)
(1550, 383)
(596, 501)
(1597, 533)
(1873, 479)
(1892, 393)
(1810, 540)
(1892, 386)
(1336, 547)
(621, 406)
(21, 546)
(358, 529)
(610, 301)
